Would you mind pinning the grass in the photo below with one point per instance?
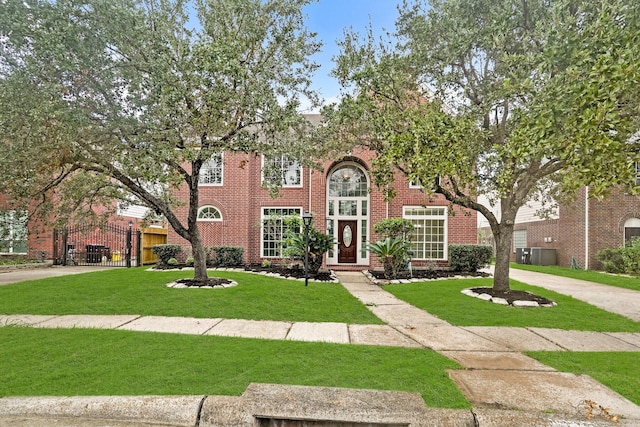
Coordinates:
(443, 299)
(618, 371)
(105, 362)
(143, 292)
(619, 281)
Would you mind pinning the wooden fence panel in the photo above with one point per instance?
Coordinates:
(151, 237)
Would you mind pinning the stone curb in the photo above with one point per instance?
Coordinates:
(264, 402)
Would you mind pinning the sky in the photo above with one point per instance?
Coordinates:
(329, 18)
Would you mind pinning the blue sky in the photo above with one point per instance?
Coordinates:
(329, 18)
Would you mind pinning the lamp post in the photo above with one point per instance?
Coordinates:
(306, 219)
(129, 237)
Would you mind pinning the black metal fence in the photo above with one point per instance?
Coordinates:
(90, 245)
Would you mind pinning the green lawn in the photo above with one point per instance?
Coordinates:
(143, 292)
(588, 275)
(618, 371)
(443, 299)
(104, 362)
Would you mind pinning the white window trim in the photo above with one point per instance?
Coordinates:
(11, 215)
(520, 232)
(262, 219)
(213, 184)
(444, 217)
(208, 219)
(283, 183)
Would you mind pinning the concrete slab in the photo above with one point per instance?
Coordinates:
(539, 392)
(403, 314)
(496, 360)
(88, 321)
(504, 418)
(331, 406)
(439, 338)
(584, 340)
(168, 410)
(382, 335)
(376, 298)
(519, 339)
(266, 329)
(176, 325)
(632, 338)
(319, 332)
(23, 319)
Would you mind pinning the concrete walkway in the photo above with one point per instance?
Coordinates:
(504, 386)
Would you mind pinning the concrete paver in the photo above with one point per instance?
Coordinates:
(496, 360)
(403, 314)
(539, 391)
(519, 339)
(584, 340)
(439, 338)
(629, 337)
(97, 321)
(383, 335)
(176, 325)
(267, 329)
(23, 319)
(319, 332)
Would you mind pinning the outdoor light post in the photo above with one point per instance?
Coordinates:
(306, 219)
(129, 237)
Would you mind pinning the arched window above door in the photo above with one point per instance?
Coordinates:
(348, 181)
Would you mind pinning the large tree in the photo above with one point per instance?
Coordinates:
(107, 100)
(512, 99)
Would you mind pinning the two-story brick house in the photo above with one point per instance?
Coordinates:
(237, 210)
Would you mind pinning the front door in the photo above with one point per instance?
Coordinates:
(347, 241)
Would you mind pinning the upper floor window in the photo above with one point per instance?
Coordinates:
(13, 232)
(281, 170)
(348, 181)
(211, 171)
(209, 213)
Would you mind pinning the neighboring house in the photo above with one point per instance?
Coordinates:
(576, 231)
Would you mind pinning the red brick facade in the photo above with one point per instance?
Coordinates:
(241, 198)
(605, 221)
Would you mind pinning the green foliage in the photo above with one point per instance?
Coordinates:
(126, 100)
(226, 256)
(172, 261)
(189, 261)
(295, 244)
(393, 254)
(166, 252)
(469, 257)
(393, 228)
(514, 100)
(621, 260)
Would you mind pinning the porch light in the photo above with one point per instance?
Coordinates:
(307, 218)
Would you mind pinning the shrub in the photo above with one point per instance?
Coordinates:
(165, 252)
(189, 261)
(393, 254)
(611, 260)
(172, 261)
(621, 260)
(394, 228)
(469, 257)
(226, 256)
(319, 244)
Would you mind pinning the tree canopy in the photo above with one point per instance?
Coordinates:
(127, 99)
(512, 99)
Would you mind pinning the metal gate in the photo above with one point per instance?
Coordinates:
(91, 245)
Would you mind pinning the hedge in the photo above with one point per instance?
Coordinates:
(469, 257)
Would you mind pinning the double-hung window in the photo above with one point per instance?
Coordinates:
(211, 171)
(274, 229)
(281, 170)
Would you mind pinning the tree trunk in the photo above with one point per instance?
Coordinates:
(199, 254)
(503, 239)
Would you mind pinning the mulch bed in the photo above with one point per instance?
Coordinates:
(513, 295)
(429, 274)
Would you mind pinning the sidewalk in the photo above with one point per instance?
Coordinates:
(504, 386)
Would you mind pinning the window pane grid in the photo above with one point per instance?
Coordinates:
(274, 229)
(281, 169)
(428, 238)
(211, 171)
